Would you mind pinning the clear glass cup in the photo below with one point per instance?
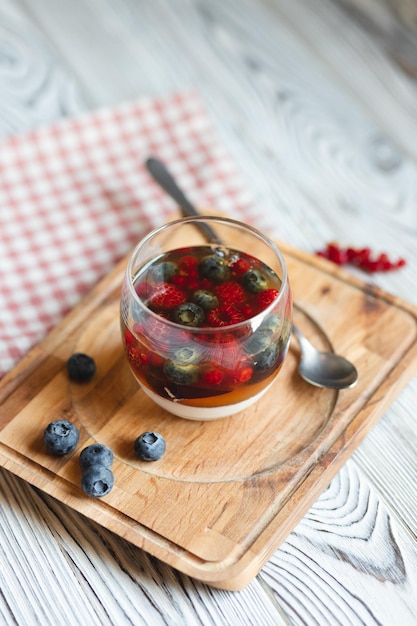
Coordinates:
(206, 314)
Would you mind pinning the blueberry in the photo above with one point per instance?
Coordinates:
(186, 355)
(181, 374)
(150, 446)
(61, 437)
(138, 313)
(81, 367)
(264, 335)
(271, 323)
(96, 454)
(214, 267)
(259, 341)
(266, 359)
(205, 299)
(97, 481)
(163, 272)
(188, 314)
(254, 281)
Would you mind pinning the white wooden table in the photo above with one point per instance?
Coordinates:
(317, 102)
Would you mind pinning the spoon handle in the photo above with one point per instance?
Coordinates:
(162, 176)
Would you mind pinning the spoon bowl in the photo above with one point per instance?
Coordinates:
(324, 369)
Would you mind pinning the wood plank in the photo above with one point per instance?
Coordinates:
(35, 87)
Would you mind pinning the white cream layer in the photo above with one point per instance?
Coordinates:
(203, 413)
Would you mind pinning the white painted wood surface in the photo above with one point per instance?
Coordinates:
(317, 102)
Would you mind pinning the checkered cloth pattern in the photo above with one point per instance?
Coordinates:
(75, 197)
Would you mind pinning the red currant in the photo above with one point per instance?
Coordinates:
(360, 257)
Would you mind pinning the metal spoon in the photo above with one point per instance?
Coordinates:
(322, 369)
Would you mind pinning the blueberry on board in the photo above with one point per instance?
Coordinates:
(97, 481)
(61, 437)
(266, 359)
(96, 454)
(254, 281)
(205, 299)
(188, 314)
(81, 367)
(214, 267)
(181, 374)
(150, 446)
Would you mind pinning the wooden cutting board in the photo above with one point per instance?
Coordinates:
(228, 492)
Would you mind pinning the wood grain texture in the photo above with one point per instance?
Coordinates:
(348, 524)
(34, 88)
(320, 116)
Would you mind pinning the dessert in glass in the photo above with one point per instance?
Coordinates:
(206, 315)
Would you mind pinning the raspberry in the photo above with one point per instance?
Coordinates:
(180, 280)
(239, 266)
(138, 357)
(206, 284)
(138, 329)
(186, 281)
(189, 265)
(247, 311)
(212, 376)
(166, 297)
(265, 298)
(155, 359)
(242, 375)
(223, 338)
(230, 292)
(192, 283)
(129, 338)
(224, 315)
(143, 290)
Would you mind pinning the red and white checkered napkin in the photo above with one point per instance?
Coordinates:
(75, 197)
